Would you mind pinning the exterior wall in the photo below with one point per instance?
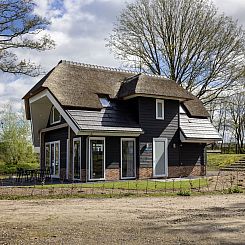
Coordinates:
(155, 128)
(183, 158)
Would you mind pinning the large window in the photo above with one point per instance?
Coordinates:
(160, 109)
(128, 158)
(96, 158)
(52, 158)
(77, 159)
(55, 116)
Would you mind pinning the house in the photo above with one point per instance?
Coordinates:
(95, 123)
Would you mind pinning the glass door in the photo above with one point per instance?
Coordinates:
(52, 158)
(160, 157)
(96, 158)
(77, 159)
(128, 159)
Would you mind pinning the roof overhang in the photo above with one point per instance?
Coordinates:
(110, 133)
(185, 139)
(154, 96)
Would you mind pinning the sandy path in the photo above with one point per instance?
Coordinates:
(168, 220)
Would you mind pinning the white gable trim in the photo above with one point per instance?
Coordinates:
(46, 93)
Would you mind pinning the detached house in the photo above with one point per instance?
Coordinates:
(95, 123)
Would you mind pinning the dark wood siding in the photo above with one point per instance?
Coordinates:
(155, 128)
(192, 154)
(113, 152)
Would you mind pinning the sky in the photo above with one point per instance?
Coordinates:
(79, 29)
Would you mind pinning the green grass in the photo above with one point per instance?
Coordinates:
(217, 161)
(135, 185)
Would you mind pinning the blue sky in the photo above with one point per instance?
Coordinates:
(79, 28)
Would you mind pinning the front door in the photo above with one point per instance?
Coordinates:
(77, 159)
(52, 158)
(160, 157)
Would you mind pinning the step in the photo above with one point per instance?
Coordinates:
(232, 169)
(237, 165)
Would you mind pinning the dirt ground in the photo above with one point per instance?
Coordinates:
(218, 219)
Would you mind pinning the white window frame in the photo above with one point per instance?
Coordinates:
(67, 158)
(52, 122)
(89, 157)
(80, 163)
(134, 140)
(154, 156)
(50, 143)
(162, 103)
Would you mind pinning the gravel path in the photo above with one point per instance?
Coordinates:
(218, 219)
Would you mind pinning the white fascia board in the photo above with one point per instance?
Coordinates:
(46, 93)
(110, 133)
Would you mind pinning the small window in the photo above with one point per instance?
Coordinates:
(160, 109)
(105, 102)
(55, 116)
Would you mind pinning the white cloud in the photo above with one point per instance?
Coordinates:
(79, 28)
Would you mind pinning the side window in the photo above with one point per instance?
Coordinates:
(160, 109)
(55, 116)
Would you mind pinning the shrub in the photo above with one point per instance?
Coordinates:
(184, 193)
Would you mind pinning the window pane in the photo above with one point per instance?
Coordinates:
(47, 157)
(56, 115)
(159, 109)
(57, 158)
(77, 156)
(52, 160)
(97, 159)
(128, 159)
(105, 102)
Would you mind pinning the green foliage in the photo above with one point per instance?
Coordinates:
(15, 140)
(235, 189)
(216, 161)
(12, 168)
(184, 193)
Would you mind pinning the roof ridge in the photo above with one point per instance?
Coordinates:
(107, 68)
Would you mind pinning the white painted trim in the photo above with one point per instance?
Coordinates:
(53, 143)
(163, 111)
(155, 96)
(54, 128)
(67, 157)
(80, 158)
(89, 157)
(46, 93)
(52, 118)
(110, 133)
(166, 156)
(134, 140)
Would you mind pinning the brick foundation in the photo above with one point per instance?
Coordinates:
(183, 171)
(112, 174)
(145, 173)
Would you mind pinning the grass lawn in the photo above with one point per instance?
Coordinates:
(134, 185)
(216, 161)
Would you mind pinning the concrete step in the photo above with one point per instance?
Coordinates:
(232, 169)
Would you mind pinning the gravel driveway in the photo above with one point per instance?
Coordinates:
(218, 219)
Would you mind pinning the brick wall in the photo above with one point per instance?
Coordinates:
(145, 173)
(112, 174)
(183, 171)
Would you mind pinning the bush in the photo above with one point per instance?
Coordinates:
(184, 193)
(12, 168)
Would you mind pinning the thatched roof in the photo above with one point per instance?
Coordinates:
(78, 85)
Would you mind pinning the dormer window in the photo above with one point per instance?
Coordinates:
(55, 116)
(160, 109)
(105, 102)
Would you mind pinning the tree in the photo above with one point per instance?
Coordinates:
(21, 28)
(184, 40)
(236, 108)
(15, 138)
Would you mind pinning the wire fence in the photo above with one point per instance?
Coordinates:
(225, 182)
